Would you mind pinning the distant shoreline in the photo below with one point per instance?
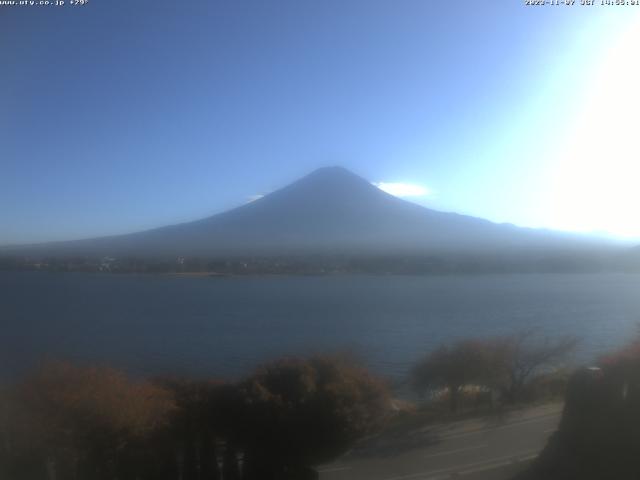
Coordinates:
(196, 274)
(258, 274)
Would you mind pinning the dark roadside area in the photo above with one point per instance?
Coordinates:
(496, 445)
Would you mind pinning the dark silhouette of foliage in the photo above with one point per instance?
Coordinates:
(73, 423)
(598, 436)
(201, 430)
(300, 413)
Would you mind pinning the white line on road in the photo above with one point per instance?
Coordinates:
(468, 468)
(513, 419)
(493, 429)
(334, 469)
(502, 463)
(451, 452)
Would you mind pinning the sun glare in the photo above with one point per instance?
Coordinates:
(595, 185)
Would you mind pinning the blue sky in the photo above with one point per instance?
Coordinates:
(119, 116)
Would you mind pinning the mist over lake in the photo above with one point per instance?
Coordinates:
(224, 327)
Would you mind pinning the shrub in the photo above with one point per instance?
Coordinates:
(80, 422)
(299, 413)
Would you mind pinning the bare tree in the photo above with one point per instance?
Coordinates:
(505, 363)
(523, 355)
(452, 367)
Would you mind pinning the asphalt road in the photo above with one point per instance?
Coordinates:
(492, 448)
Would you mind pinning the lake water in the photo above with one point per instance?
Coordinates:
(226, 326)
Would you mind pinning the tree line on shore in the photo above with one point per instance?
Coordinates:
(70, 422)
(438, 263)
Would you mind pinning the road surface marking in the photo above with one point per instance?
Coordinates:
(451, 452)
(494, 462)
(493, 429)
(515, 419)
(334, 469)
(495, 465)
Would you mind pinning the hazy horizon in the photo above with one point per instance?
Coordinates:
(394, 189)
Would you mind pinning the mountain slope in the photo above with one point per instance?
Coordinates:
(329, 211)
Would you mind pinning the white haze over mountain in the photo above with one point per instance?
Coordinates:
(398, 189)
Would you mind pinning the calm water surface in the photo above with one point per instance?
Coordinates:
(226, 326)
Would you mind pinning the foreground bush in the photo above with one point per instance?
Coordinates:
(70, 423)
(299, 413)
(195, 443)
